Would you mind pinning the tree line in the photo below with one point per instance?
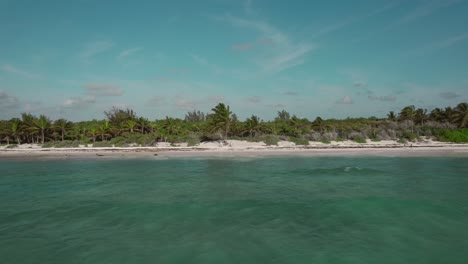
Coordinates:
(123, 126)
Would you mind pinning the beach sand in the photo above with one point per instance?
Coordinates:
(236, 148)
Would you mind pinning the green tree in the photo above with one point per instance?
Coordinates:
(221, 119)
(130, 125)
(43, 124)
(391, 116)
(460, 115)
(63, 126)
(254, 125)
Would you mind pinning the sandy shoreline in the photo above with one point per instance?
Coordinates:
(243, 149)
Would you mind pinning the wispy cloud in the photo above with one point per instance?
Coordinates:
(345, 100)
(78, 102)
(383, 98)
(200, 60)
(15, 70)
(348, 22)
(253, 99)
(8, 101)
(128, 52)
(242, 47)
(290, 93)
(156, 101)
(103, 89)
(285, 54)
(248, 7)
(449, 95)
(94, 48)
(426, 9)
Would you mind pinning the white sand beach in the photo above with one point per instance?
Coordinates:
(245, 148)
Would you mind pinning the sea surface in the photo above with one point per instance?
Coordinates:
(235, 210)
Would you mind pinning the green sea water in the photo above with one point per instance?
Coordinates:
(235, 210)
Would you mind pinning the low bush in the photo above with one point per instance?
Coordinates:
(299, 141)
(360, 140)
(102, 144)
(271, 140)
(63, 144)
(456, 136)
(409, 136)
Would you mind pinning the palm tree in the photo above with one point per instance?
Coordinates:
(318, 123)
(282, 116)
(14, 129)
(437, 114)
(407, 113)
(221, 119)
(171, 126)
(104, 129)
(63, 126)
(391, 116)
(30, 129)
(254, 125)
(92, 132)
(420, 116)
(460, 115)
(143, 124)
(42, 123)
(130, 124)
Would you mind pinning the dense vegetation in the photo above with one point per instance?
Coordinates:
(123, 127)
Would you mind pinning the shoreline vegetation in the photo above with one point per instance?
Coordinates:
(221, 131)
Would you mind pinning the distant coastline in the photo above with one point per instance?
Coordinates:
(244, 148)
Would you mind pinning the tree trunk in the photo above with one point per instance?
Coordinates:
(8, 140)
(42, 136)
(63, 135)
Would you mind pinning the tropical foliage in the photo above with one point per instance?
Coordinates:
(123, 127)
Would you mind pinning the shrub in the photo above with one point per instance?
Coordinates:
(402, 141)
(102, 144)
(193, 140)
(271, 140)
(299, 141)
(456, 136)
(325, 141)
(359, 140)
(63, 144)
(11, 146)
(409, 136)
(329, 136)
(375, 140)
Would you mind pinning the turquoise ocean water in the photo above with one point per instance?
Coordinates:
(235, 210)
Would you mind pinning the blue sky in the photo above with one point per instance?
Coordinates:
(75, 59)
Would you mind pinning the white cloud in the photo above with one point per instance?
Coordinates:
(14, 70)
(283, 54)
(78, 102)
(8, 101)
(253, 99)
(128, 52)
(426, 9)
(449, 95)
(383, 98)
(200, 60)
(345, 100)
(94, 48)
(103, 89)
(156, 101)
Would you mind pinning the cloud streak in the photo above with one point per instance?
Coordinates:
(283, 54)
(103, 89)
(128, 52)
(95, 48)
(20, 72)
(426, 9)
